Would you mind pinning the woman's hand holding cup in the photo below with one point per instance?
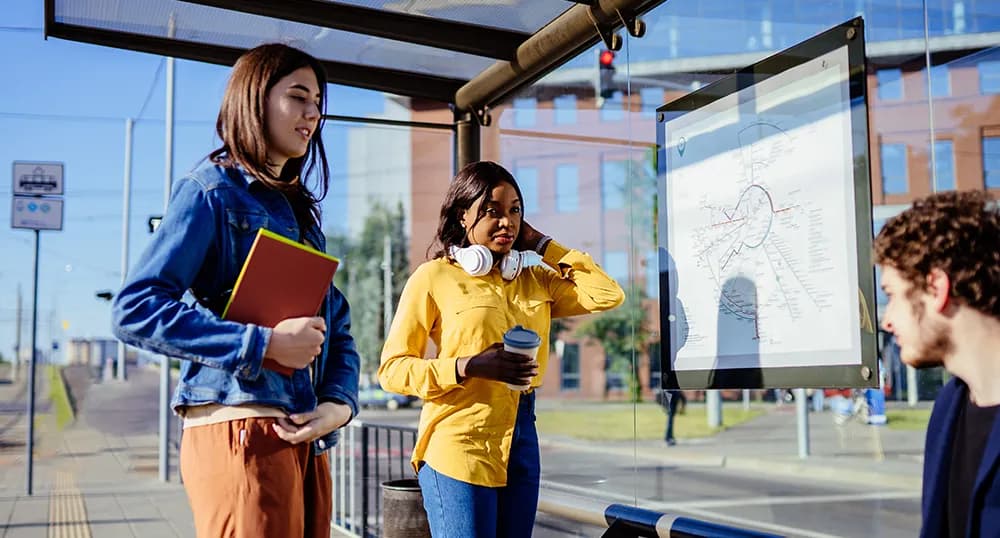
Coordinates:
(498, 364)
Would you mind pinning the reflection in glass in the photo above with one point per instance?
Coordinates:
(893, 168)
(890, 84)
(991, 162)
(567, 188)
(944, 165)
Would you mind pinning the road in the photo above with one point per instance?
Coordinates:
(803, 506)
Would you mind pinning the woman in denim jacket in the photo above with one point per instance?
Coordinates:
(260, 404)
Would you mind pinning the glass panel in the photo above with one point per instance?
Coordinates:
(688, 46)
(989, 77)
(524, 112)
(894, 168)
(527, 180)
(991, 162)
(944, 165)
(890, 84)
(202, 24)
(940, 81)
(613, 183)
(524, 15)
(567, 188)
(565, 106)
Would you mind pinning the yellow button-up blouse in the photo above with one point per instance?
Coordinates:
(466, 428)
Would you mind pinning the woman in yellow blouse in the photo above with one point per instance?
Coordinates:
(477, 450)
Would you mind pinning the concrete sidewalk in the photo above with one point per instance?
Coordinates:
(98, 477)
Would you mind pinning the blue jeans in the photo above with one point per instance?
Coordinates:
(457, 509)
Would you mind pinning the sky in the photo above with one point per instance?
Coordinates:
(63, 101)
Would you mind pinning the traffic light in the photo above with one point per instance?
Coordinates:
(606, 75)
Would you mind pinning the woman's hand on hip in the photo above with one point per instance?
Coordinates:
(306, 427)
(499, 365)
(295, 342)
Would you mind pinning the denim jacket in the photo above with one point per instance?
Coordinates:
(200, 246)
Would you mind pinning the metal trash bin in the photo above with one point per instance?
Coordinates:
(403, 514)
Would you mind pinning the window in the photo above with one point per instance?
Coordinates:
(651, 98)
(567, 190)
(654, 365)
(653, 275)
(565, 106)
(613, 184)
(894, 168)
(614, 380)
(989, 77)
(524, 112)
(527, 179)
(890, 84)
(570, 367)
(940, 82)
(991, 162)
(944, 166)
(616, 265)
(613, 110)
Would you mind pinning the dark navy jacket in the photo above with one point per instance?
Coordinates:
(984, 514)
(200, 245)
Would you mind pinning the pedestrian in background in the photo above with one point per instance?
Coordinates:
(260, 405)
(941, 272)
(671, 400)
(476, 453)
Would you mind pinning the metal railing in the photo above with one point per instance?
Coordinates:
(632, 522)
(367, 455)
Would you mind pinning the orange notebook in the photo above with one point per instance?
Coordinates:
(280, 279)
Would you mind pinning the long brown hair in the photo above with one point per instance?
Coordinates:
(472, 182)
(241, 127)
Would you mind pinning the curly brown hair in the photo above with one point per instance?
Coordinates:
(955, 232)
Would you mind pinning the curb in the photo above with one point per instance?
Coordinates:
(774, 467)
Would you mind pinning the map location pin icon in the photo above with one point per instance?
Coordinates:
(681, 144)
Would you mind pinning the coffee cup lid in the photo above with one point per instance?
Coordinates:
(520, 337)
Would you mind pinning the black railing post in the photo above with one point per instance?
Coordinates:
(364, 481)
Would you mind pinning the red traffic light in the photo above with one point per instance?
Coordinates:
(606, 58)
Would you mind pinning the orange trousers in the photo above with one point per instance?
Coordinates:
(243, 481)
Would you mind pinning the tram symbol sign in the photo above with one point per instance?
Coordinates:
(38, 178)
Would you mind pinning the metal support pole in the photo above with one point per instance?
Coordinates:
(30, 444)
(467, 140)
(126, 215)
(164, 449)
(802, 420)
(386, 285)
(713, 408)
(912, 395)
(746, 399)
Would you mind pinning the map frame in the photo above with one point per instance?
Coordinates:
(865, 372)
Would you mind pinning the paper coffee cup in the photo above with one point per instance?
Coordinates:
(523, 342)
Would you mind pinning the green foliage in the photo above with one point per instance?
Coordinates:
(360, 277)
(623, 333)
(624, 422)
(908, 419)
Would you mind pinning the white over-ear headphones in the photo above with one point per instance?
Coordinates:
(477, 260)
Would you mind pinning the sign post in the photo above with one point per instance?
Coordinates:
(36, 204)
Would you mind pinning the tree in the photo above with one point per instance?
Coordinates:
(361, 274)
(623, 334)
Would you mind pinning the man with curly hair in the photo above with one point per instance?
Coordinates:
(940, 264)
